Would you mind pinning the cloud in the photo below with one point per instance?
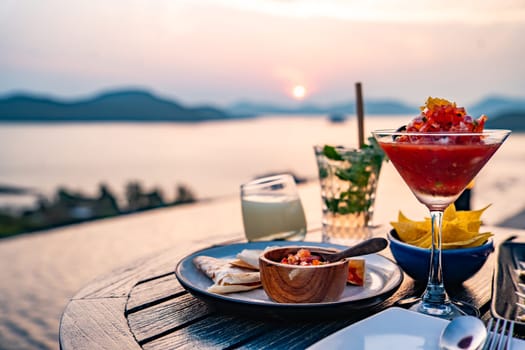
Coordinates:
(471, 11)
(222, 50)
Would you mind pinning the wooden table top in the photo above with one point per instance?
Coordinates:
(142, 305)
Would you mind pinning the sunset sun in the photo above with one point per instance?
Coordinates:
(299, 92)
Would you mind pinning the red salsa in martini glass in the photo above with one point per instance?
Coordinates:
(438, 153)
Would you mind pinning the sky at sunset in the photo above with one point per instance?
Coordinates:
(224, 51)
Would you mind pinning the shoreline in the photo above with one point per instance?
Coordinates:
(514, 220)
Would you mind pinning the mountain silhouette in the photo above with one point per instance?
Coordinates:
(125, 105)
(371, 107)
(514, 121)
(497, 106)
(143, 106)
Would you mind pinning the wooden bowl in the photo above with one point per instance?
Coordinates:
(286, 283)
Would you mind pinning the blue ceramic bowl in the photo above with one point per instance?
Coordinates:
(458, 264)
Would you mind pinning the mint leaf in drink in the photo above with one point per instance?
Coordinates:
(357, 174)
(359, 169)
(331, 153)
(332, 204)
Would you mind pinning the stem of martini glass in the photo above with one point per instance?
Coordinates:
(435, 295)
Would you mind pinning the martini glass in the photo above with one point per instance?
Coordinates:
(437, 167)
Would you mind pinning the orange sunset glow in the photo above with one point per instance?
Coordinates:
(299, 92)
(223, 51)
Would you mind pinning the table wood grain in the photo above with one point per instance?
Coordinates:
(143, 306)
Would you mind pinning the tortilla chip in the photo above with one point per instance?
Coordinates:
(471, 215)
(455, 231)
(450, 213)
(460, 229)
(425, 241)
(409, 231)
(469, 243)
(402, 218)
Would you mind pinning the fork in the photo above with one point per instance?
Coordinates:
(497, 339)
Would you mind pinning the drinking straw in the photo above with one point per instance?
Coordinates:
(360, 114)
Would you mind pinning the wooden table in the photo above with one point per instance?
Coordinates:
(144, 306)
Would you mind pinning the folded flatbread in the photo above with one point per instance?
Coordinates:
(227, 278)
(248, 258)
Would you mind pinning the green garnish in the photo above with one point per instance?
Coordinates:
(356, 168)
(331, 153)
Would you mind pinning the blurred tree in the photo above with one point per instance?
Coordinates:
(138, 199)
(183, 194)
(134, 196)
(155, 198)
(107, 203)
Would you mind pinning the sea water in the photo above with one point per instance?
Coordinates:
(211, 158)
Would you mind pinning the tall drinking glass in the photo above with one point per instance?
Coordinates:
(437, 167)
(272, 209)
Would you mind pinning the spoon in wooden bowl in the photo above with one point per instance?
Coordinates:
(372, 245)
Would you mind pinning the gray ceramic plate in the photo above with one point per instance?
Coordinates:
(383, 278)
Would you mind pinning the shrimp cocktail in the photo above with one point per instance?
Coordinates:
(437, 154)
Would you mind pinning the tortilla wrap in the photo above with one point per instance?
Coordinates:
(248, 258)
(227, 278)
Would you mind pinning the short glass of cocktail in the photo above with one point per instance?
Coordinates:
(438, 154)
(272, 209)
(348, 179)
